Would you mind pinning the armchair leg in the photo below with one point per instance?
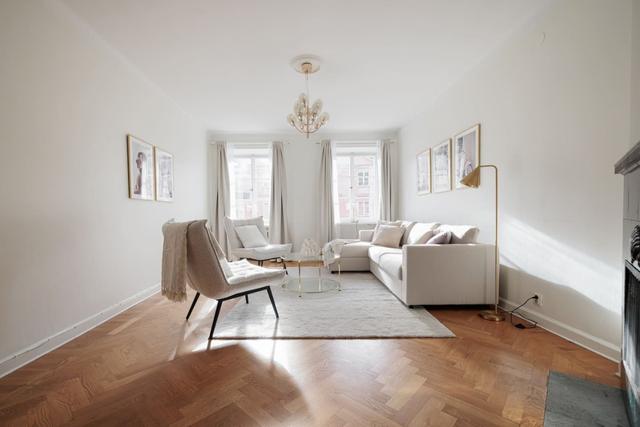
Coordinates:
(193, 304)
(246, 298)
(215, 319)
(273, 303)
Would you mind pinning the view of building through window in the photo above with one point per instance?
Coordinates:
(250, 180)
(356, 182)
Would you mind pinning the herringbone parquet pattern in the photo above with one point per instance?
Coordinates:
(148, 366)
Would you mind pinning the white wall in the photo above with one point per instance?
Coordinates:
(72, 242)
(302, 161)
(554, 107)
(635, 73)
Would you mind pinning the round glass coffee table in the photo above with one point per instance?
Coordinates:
(311, 284)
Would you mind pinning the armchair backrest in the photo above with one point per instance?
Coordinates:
(230, 227)
(203, 261)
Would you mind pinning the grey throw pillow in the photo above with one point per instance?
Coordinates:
(442, 238)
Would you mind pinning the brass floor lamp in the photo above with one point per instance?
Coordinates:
(473, 180)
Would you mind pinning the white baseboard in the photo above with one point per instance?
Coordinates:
(42, 347)
(576, 336)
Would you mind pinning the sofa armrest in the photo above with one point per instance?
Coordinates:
(449, 274)
(365, 235)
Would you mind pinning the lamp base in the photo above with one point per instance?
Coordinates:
(491, 315)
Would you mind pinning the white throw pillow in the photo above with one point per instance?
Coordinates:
(421, 232)
(442, 238)
(388, 235)
(250, 236)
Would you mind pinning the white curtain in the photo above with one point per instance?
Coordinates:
(220, 197)
(278, 226)
(326, 218)
(386, 181)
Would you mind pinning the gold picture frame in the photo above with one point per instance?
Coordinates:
(423, 172)
(441, 167)
(163, 169)
(140, 169)
(466, 153)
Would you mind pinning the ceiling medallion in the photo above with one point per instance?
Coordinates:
(307, 118)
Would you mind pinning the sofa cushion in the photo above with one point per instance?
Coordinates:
(442, 238)
(355, 250)
(231, 224)
(250, 236)
(461, 233)
(388, 259)
(408, 225)
(421, 232)
(388, 235)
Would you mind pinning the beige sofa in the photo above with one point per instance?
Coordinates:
(461, 272)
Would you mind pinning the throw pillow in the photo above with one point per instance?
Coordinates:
(442, 238)
(250, 236)
(388, 235)
(421, 232)
(461, 233)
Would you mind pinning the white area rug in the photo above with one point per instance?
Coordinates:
(363, 309)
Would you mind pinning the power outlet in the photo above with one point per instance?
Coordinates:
(538, 300)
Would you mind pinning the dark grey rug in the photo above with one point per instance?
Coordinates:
(576, 402)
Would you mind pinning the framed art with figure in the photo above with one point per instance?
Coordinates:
(466, 152)
(141, 169)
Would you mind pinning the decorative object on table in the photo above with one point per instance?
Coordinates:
(423, 172)
(466, 153)
(310, 248)
(164, 175)
(441, 167)
(306, 118)
(140, 169)
(472, 179)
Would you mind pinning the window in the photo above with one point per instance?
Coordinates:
(363, 177)
(250, 180)
(355, 181)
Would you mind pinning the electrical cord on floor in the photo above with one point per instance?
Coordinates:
(532, 323)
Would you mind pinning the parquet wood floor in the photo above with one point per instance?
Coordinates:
(147, 366)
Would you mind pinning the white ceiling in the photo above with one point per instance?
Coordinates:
(227, 61)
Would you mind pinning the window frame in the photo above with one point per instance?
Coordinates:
(351, 150)
(240, 150)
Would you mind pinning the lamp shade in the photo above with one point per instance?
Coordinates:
(472, 179)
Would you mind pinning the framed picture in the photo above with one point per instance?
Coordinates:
(466, 153)
(164, 175)
(423, 172)
(441, 166)
(140, 165)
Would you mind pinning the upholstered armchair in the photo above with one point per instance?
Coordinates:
(270, 251)
(211, 275)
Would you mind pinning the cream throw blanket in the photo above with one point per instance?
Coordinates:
(333, 248)
(174, 261)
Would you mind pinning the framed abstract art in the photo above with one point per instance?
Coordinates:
(441, 166)
(164, 175)
(423, 172)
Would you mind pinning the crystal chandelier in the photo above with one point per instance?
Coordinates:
(307, 118)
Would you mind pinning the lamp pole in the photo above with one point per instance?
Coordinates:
(473, 180)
